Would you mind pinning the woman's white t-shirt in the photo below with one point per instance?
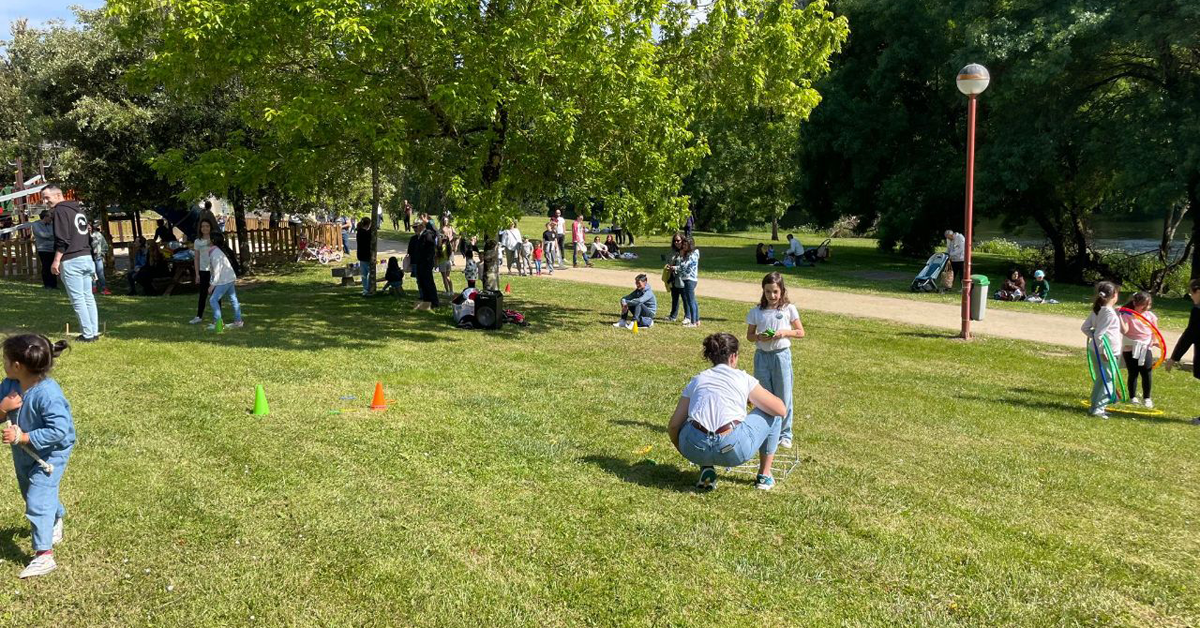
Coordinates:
(773, 319)
(203, 248)
(718, 395)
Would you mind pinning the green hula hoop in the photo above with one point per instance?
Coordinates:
(1118, 379)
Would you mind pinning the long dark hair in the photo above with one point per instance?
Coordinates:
(219, 241)
(719, 347)
(1104, 291)
(774, 278)
(678, 236)
(689, 245)
(34, 352)
(1139, 298)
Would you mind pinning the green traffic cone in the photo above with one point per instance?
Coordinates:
(260, 401)
(220, 325)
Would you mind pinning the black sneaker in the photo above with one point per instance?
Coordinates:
(708, 479)
(82, 338)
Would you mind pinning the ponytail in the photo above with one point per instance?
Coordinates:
(1105, 290)
(34, 352)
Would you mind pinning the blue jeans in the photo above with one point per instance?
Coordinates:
(537, 263)
(641, 314)
(773, 369)
(676, 293)
(579, 249)
(346, 242)
(219, 292)
(76, 274)
(690, 309)
(40, 491)
(100, 283)
(758, 432)
(366, 277)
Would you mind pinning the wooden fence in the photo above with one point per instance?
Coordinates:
(19, 260)
(18, 256)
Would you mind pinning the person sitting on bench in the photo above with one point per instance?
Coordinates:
(710, 426)
(640, 305)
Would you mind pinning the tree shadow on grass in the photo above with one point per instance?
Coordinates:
(645, 473)
(279, 314)
(1045, 400)
(9, 549)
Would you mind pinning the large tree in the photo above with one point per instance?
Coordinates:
(498, 103)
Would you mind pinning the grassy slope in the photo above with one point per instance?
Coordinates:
(503, 487)
(857, 266)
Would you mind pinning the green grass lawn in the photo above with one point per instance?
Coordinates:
(857, 266)
(942, 483)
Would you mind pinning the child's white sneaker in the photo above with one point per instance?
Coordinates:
(1149, 402)
(1137, 401)
(237, 324)
(786, 443)
(1099, 413)
(621, 324)
(687, 321)
(58, 532)
(39, 566)
(195, 320)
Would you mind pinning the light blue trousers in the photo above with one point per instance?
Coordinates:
(1102, 388)
(76, 274)
(40, 491)
(773, 369)
(758, 433)
(219, 293)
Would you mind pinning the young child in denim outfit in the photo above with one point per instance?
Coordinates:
(43, 424)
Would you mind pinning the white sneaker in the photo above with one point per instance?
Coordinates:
(58, 532)
(237, 324)
(621, 324)
(1137, 401)
(39, 566)
(687, 321)
(786, 443)
(1149, 403)
(195, 320)
(1099, 414)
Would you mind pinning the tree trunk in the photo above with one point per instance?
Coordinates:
(239, 220)
(775, 229)
(1193, 202)
(1057, 242)
(375, 220)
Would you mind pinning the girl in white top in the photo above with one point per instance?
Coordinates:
(710, 426)
(202, 246)
(1103, 324)
(771, 326)
(224, 280)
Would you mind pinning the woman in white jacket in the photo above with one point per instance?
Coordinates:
(224, 282)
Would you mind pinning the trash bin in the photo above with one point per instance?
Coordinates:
(979, 296)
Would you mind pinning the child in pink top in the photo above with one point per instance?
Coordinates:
(1136, 344)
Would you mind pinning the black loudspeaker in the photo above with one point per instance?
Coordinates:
(489, 309)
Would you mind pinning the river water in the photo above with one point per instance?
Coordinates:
(1129, 235)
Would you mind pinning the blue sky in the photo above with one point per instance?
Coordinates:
(39, 11)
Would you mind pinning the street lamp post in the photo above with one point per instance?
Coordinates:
(971, 81)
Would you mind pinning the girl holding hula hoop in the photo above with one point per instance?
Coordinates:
(1104, 330)
(1141, 333)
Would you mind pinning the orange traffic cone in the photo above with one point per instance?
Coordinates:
(507, 288)
(378, 402)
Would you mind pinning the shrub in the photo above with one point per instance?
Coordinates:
(1000, 246)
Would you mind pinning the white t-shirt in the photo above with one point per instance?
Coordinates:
(203, 248)
(775, 320)
(718, 396)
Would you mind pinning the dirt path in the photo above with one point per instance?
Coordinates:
(1046, 328)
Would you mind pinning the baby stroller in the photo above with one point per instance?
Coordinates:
(819, 254)
(927, 279)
